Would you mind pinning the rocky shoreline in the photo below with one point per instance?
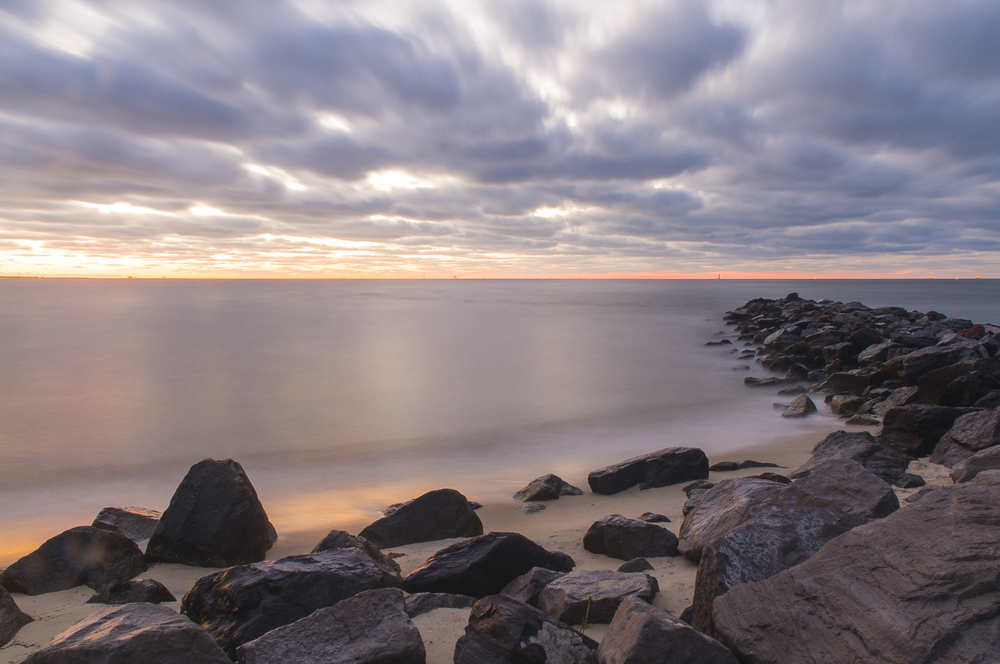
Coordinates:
(819, 561)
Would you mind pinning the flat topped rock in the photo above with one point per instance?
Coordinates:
(872, 453)
(136, 523)
(12, 618)
(436, 515)
(547, 487)
(593, 595)
(133, 591)
(847, 485)
(528, 587)
(662, 468)
(623, 538)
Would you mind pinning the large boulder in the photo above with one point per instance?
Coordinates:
(214, 520)
(656, 469)
(12, 618)
(933, 383)
(846, 484)
(968, 389)
(917, 586)
(503, 630)
(436, 515)
(619, 537)
(341, 539)
(593, 596)
(79, 556)
(643, 634)
(966, 471)
(136, 523)
(547, 487)
(370, 628)
(917, 428)
(528, 587)
(912, 366)
(876, 457)
(133, 591)
(970, 434)
(129, 634)
(239, 604)
(483, 565)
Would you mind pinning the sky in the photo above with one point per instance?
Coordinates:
(500, 138)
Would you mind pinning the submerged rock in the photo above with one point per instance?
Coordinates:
(436, 515)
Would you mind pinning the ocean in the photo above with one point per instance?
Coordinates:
(341, 397)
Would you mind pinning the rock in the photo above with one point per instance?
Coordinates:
(547, 487)
(800, 407)
(653, 517)
(750, 381)
(483, 565)
(133, 591)
(635, 565)
(847, 485)
(719, 510)
(694, 487)
(720, 342)
(619, 537)
(797, 389)
(136, 523)
(876, 457)
(239, 604)
(12, 618)
(912, 366)
(750, 463)
(968, 389)
(644, 634)
(341, 539)
(786, 528)
(214, 520)
(909, 481)
(421, 603)
(864, 420)
(724, 466)
(925, 575)
(532, 508)
(879, 352)
(502, 630)
(772, 477)
(528, 587)
(988, 477)
(656, 469)
(593, 596)
(991, 400)
(933, 383)
(845, 404)
(130, 634)
(965, 471)
(902, 396)
(846, 383)
(79, 556)
(369, 628)
(436, 515)
(973, 332)
(971, 433)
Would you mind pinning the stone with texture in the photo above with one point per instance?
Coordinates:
(483, 565)
(846, 484)
(370, 628)
(877, 457)
(724, 467)
(991, 400)
(967, 470)
(656, 469)
(934, 383)
(132, 591)
(635, 565)
(341, 539)
(800, 407)
(547, 487)
(136, 523)
(623, 538)
(653, 517)
(421, 603)
(593, 596)
(845, 404)
(436, 515)
(214, 520)
(12, 618)
(968, 389)
(79, 556)
(912, 366)
(902, 396)
(528, 587)
(846, 383)
(130, 634)
(970, 434)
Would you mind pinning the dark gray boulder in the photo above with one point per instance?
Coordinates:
(845, 404)
(876, 457)
(933, 383)
(724, 466)
(926, 576)
(656, 469)
(912, 366)
(653, 517)
(800, 406)
(503, 630)
(695, 487)
(79, 556)
(623, 538)
(370, 628)
(421, 603)
(902, 396)
(239, 604)
(966, 471)
(436, 515)
(341, 539)
(547, 487)
(528, 587)
(917, 428)
(991, 400)
(483, 565)
(643, 634)
(132, 591)
(129, 634)
(12, 618)
(879, 352)
(136, 523)
(846, 383)
(214, 520)
(635, 565)
(593, 596)
(970, 434)
(846, 484)
(968, 389)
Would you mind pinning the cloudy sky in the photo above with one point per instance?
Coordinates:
(499, 138)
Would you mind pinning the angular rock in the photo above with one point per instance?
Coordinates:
(79, 556)
(846, 484)
(933, 383)
(214, 520)
(136, 523)
(917, 428)
(968, 389)
(644, 634)
(370, 628)
(773, 477)
(483, 565)
(635, 565)
(547, 487)
(967, 470)
(653, 517)
(503, 630)
(436, 515)
(876, 457)
(656, 469)
(593, 596)
(970, 434)
(129, 634)
(846, 383)
(724, 466)
(845, 404)
(800, 407)
(925, 575)
(421, 603)
(12, 618)
(133, 591)
(912, 366)
(879, 352)
(623, 538)
(239, 604)
(902, 396)
(341, 539)
(751, 381)
(528, 587)
(695, 487)
(991, 400)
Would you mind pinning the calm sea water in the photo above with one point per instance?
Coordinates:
(340, 397)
